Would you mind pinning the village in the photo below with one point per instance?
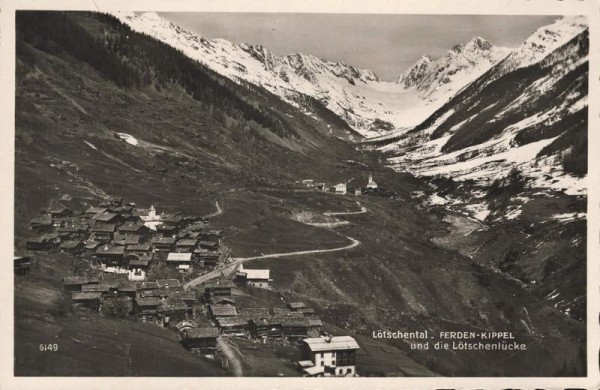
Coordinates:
(139, 262)
(349, 187)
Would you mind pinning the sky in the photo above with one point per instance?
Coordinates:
(386, 44)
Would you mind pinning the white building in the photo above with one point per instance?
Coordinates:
(330, 356)
(371, 184)
(152, 220)
(256, 277)
(180, 260)
(341, 188)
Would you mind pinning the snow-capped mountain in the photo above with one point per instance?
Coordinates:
(438, 79)
(527, 112)
(369, 105)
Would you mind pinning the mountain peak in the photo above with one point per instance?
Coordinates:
(480, 43)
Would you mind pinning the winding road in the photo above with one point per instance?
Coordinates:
(362, 211)
(235, 261)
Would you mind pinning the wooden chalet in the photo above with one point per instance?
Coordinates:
(211, 245)
(232, 326)
(128, 289)
(138, 249)
(90, 300)
(173, 284)
(91, 211)
(167, 230)
(147, 307)
(72, 246)
(206, 258)
(91, 246)
(59, 212)
(163, 244)
(131, 228)
(102, 233)
(202, 340)
(73, 232)
(38, 244)
(221, 288)
(174, 220)
(266, 327)
(75, 283)
(100, 288)
(125, 240)
(107, 219)
(217, 311)
(42, 225)
(186, 245)
(111, 256)
(174, 310)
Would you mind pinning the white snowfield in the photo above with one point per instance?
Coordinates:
(357, 95)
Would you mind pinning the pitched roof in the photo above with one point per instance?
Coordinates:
(138, 262)
(201, 333)
(128, 239)
(91, 244)
(173, 304)
(95, 210)
(253, 274)
(95, 287)
(223, 310)
(219, 284)
(335, 343)
(138, 248)
(127, 286)
(86, 296)
(70, 244)
(148, 285)
(168, 283)
(103, 228)
(163, 240)
(104, 217)
(296, 305)
(110, 250)
(187, 242)
(149, 301)
(231, 321)
(130, 227)
(175, 256)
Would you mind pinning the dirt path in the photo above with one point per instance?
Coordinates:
(219, 211)
(362, 211)
(234, 362)
(235, 261)
(308, 252)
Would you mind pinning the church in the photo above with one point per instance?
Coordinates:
(371, 184)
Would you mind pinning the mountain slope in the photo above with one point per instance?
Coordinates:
(532, 116)
(438, 80)
(369, 105)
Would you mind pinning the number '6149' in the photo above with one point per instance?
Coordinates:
(48, 347)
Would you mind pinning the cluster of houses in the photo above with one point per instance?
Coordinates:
(167, 303)
(120, 238)
(297, 321)
(344, 187)
(122, 241)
